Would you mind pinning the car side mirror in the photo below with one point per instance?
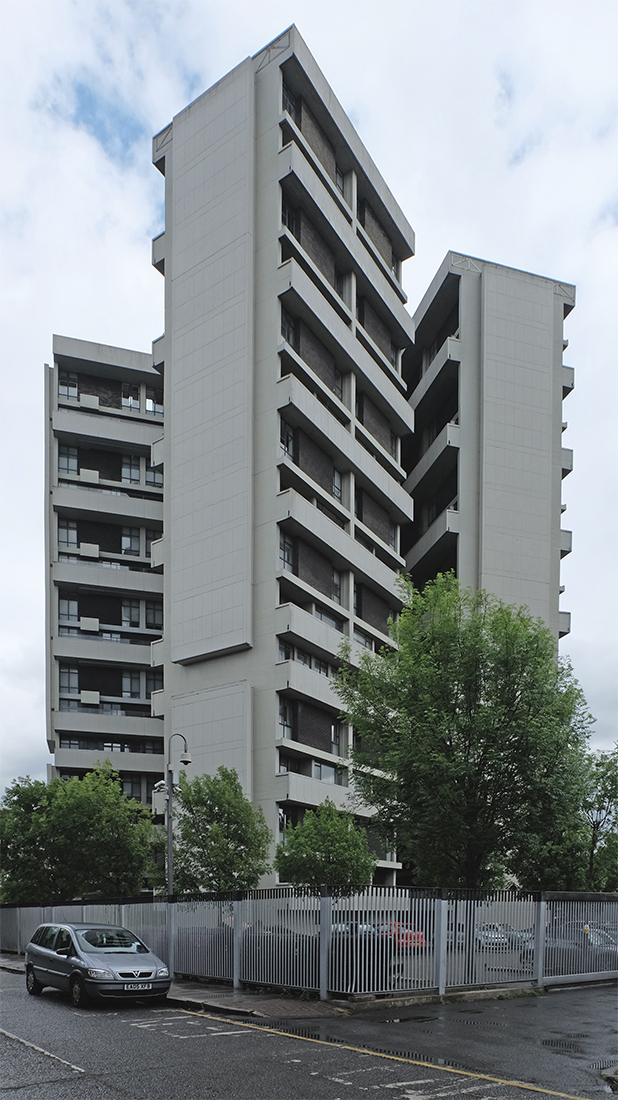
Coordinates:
(65, 951)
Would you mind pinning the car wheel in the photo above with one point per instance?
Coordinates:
(79, 996)
(33, 985)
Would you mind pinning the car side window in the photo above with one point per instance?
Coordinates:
(38, 935)
(64, 940)
(49, 936)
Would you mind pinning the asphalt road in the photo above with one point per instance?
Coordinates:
(51, 1051)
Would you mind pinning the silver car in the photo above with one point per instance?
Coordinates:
(92, 961)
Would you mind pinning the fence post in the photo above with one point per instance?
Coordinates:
(539, 941)
(237, 908)
(439, 944)
(171, 935)
(326, 924)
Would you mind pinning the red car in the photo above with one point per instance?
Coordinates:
(405, 937)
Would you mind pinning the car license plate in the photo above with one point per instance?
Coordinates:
(138, 985)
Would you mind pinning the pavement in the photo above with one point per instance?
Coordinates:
(206, 997)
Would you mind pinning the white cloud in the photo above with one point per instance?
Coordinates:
(496, 127)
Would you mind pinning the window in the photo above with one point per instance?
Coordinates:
(286, 551)
(288, 328)
(154, 476)
(289, 217)
(286, 652)
(130, 396)
(69, 680)
(392, 535)
(393, 355)
(130, 612)
(337, 484)
(154, 401)
(336, 591)
(151, 536)
(287, 439)
(154, 681)
(67, 533)
(69, 742)
(130, 684)
(320, 666)
(303, 657)
(130, 469)
(67, 384)
(362, 638)
(68, 462)
(394, 445)
(335, 739)
(68, 609)
(154, 615)
(358, 504)
(339, 282)
(113, 746)
(130, 541)
(288, 763)
(337, 383)
(327, 773)
(339, 178)
(289, 102)
(328, 618)
(286, 720)
(132, 785)
(358, 600)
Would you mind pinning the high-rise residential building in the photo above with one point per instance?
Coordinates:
(297, 488)
(104, 601)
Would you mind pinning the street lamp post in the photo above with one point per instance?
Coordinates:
(185, 758)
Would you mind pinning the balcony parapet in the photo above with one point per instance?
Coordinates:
(437, 457)
(445, 525)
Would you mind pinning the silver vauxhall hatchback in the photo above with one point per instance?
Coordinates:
(92, 961)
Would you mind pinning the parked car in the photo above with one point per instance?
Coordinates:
(574, 949)
(492, 936)
(92, 961)
(404, 936)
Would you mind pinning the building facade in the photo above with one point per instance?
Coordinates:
(297, 487)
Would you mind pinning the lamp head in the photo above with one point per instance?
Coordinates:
(185, 757)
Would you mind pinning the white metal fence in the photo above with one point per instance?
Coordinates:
(385, 940)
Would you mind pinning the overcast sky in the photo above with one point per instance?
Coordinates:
(494, 123)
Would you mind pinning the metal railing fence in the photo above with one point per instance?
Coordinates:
(385, 940)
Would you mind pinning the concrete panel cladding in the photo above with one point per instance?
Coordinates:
(216, 722)
(210, 288)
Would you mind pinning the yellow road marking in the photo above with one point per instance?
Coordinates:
(379, 1054)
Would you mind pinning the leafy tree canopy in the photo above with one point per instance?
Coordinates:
(73, 838)
(470, 741)
(600, 821)
(222, 840)
(326, 848)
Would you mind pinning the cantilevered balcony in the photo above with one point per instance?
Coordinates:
(438, 538)
(566, 543)
(437, 462)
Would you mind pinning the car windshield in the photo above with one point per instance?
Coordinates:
(117, 940)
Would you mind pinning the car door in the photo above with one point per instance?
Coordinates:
(63, 963)
(43, 956)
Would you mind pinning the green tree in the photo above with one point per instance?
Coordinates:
(73, 838)
(600, 821)
(470, 739)
(326, 848)
(222, 840)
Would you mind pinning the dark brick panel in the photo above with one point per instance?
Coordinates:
(314, 726)
(313, 460)
(376, 517)
(314, 568)
(107, 463)
(106, 608)
(373, 609)
(107, 390)
(316, 355)
(374, 326)
(376, 233)
(375, 422)
(315, 246)
(317, 139)
(105, 535)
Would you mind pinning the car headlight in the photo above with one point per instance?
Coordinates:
(99, 974)
(163, 972)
